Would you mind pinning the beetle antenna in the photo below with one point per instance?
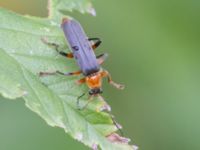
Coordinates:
(118, 126)
(78, 98)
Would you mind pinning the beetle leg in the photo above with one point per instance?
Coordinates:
(61, 73)
(69, 73)
(56, 46)
(80, 81)
(78, 99)
(90, 99)
(68, 55)
(101, 58)
(42, 74)
(96, 43)
(116, 85)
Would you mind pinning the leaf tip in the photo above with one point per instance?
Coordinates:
(91, 10)
(104, 107)
(135, 147)
(79, 136)
(116, 138)
(94, 146)
(24, 93)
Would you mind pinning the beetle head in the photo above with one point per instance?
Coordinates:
(95, 91)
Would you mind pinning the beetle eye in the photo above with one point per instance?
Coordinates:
(90, 92)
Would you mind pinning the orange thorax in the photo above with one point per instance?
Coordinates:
(94, 80)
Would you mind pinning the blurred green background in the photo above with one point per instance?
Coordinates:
(154, 48)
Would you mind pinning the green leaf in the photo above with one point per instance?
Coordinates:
(59, 7)
(23, 55)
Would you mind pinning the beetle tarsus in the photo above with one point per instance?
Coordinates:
(42, 74)
(96, 41)
(101, 58)
(56, 47)
(116, 85)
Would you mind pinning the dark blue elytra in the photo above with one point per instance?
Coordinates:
(80, 46)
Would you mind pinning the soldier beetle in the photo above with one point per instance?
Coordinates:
(82, 49)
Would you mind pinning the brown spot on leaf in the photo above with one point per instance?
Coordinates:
(114, 137)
